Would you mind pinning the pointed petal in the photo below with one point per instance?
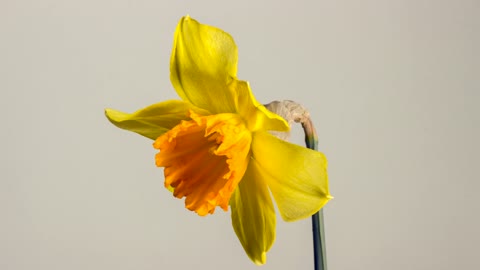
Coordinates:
(203, 62)
(253, 215)
(153, 120)
(256, 115)
(296, 176)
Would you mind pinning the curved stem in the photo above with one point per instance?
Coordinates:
(294, 112)
(318, 227)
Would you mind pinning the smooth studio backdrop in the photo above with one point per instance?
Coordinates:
(392, 86)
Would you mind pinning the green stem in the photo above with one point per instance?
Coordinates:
(318, 225)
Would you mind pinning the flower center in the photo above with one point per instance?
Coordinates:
(204, 159)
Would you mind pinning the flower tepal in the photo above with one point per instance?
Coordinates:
(215, 146)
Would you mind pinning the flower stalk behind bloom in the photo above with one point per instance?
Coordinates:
(294, 112)
(216, 147)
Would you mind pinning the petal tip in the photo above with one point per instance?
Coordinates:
(293, 216)
(261, 260)
(107, 111)
(113, 115)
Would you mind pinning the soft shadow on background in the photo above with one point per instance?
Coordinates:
(393, 88)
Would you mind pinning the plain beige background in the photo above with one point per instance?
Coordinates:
(393, 87)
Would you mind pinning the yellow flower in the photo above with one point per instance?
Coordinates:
(215, 145)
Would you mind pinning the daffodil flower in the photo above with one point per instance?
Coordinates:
(215, 144)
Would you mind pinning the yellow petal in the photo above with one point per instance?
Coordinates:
(253, 215)
(204, 159)
(203, 62)
(296, 176)
(254, 113)
(153, 120)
